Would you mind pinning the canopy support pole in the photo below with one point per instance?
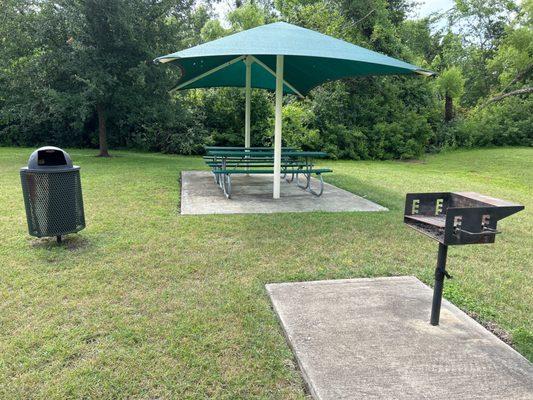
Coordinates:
(278, 126)
(248, 62)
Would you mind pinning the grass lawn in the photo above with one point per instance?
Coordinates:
(145, 303)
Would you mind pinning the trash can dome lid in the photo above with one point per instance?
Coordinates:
(50, 157)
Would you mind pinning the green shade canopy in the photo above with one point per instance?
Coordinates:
(280, 57)
(311, 59)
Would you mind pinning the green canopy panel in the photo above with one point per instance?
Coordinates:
(232, 75)
(311, 58)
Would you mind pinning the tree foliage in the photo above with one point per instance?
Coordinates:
(85, 64)
(450, 84)
(80, 73)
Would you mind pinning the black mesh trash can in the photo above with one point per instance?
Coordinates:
(51, 187)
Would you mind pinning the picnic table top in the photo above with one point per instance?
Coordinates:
(252, 154)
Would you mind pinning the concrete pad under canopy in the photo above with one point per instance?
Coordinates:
(253, 194)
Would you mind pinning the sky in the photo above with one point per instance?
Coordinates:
(428, 6)
(425, 8)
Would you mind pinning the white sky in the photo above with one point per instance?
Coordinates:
(425, 8)
(428, 6)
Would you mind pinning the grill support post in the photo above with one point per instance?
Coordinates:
(440, 274)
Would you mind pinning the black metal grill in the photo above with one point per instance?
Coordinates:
(51, 186)
(454, 219)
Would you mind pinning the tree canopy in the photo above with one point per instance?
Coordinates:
(80, 73)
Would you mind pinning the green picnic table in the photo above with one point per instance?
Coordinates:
(226, 162)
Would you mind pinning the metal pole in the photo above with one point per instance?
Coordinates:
(247, 123)
(440, 273)
(277, 126)
(58, 238)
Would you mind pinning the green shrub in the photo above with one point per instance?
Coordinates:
(506, 123)
(297, 131)
(405, 139)
(343, 142)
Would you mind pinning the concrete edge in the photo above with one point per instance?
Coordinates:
(383, 208)
(286, 212)
(347, 280)
(308, 387)
(460, 313)
(180, 182)
(478, 325)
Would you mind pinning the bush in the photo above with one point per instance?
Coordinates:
(404, 139)
(343, 142)
(222, 114)
(297, 131)
(506, 123)
(451, 135)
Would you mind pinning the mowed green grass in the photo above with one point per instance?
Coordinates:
(146, 303)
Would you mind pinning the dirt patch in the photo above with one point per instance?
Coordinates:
(412, 161)
(70, 242)
(498, 331)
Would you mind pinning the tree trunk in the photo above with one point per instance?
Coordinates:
(102, 131)
(448, 108)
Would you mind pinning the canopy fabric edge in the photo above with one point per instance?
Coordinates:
(425, 72)
(169, 58)
(293, 90)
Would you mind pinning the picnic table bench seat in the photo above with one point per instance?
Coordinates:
(271, 171)
(224, 177)
(231, 167)
(244, 159)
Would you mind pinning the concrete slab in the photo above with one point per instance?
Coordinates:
(253, 194)
(371, 339)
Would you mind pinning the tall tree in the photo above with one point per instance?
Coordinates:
(513, 60)
(451, 85)
(89, 66)
(481, 26)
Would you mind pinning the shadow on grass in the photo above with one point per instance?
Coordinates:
(70, 242)
(392, 200)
